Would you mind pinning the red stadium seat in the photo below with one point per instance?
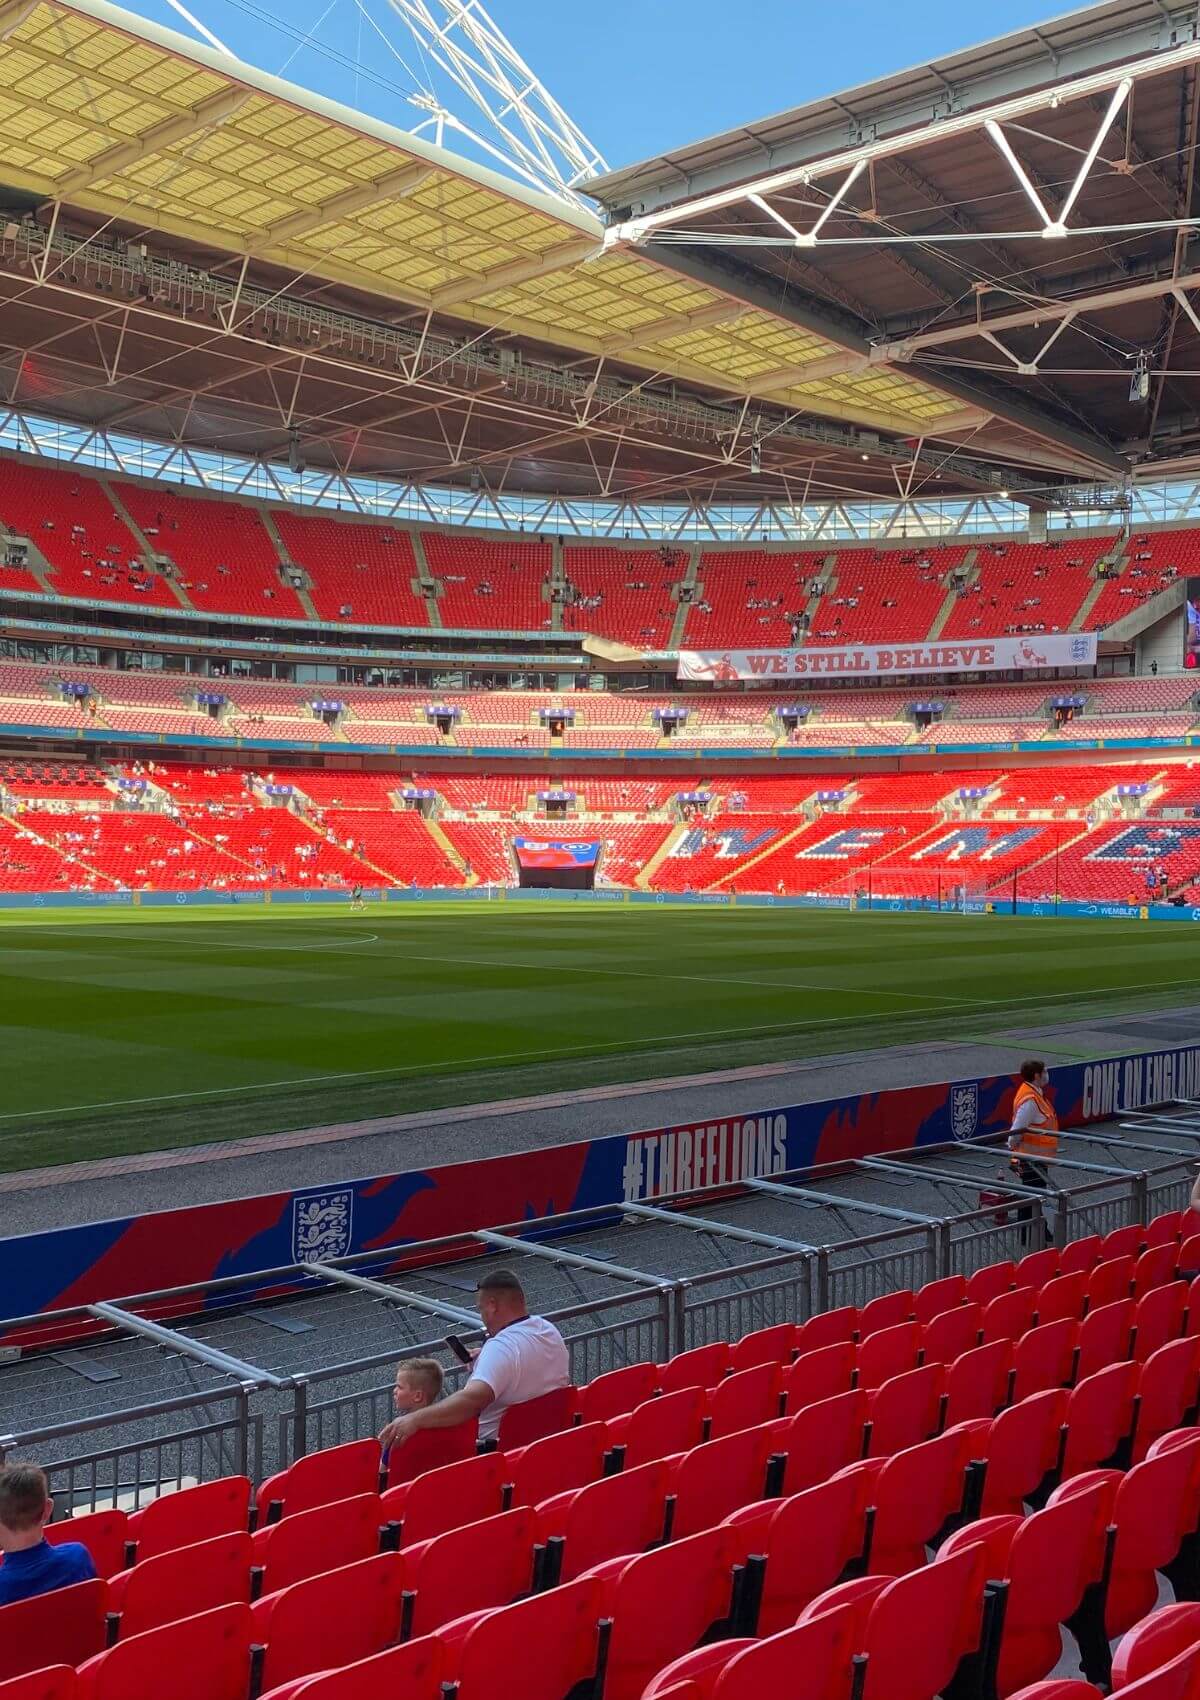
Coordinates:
(67, 1626)
(413, 1671)
(977, 1383)
(703, 1366)
(661, 1426)
(1044, 1357)
(1159, 1316)
(742, 1400)
(570, 1459)
(551, 1639)
(521, 1425)
(1157, 1504)
(907, 1409)
(821, 1647)
(616, 1393)
(181, 1583)
(1167, 1391)
(989, 1282)
(821, 1439)
(808, 1540)
(828, 1328)
(1038, 1267)
(430, 1449)
(1154, 1268)
(1105, 1336)
(338, 1472)
(103, 1533)
(712, 1480)
(886, 1311)
(625, 1513)
(475, 1568)
(1062, 1296)
(773, 1345)
(194, 1514)
(1123, 1242)
(915, 1493)
(1110, 1280)
(1079, 1254)
(935, 1298)
(1165, 1228)
(889, 1352)
(1009, 1315)
(663, 1604)
(447, 1497)
(330, 1619)
(922, 1626)
(1162, 1636)
(1023, 1450)
(1100, 1417)
(206, 1657)
(304, 1543)
(56, 1682)
(953, 1332)
(1176, 1680)
(820, 1374)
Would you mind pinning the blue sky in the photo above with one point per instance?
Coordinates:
(638, 76)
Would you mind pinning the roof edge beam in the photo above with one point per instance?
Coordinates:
(207, 113)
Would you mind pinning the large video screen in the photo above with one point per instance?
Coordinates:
(1191, 638)
(555, 853)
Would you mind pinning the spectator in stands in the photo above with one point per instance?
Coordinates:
(522, 1358)
(418, 1385)
(31, 1565)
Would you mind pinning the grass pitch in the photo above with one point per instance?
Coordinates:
(155, 1029)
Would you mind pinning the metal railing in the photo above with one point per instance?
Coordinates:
(733, 1275)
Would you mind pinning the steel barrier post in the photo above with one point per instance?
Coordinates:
(299, 1419)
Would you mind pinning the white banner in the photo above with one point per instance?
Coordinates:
(879, 661)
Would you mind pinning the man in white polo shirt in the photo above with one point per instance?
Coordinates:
(523, 1357)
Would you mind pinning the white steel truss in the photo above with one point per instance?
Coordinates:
(536, 137)
(1117, 82)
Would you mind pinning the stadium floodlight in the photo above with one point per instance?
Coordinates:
(526, 128)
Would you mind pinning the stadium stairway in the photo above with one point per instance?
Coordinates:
(682, 608)
(143, 543)
(449, 851)
(1096, 591)
(752, 861)
(646, 873)
(970, 571)
(425, 576)
(302, 595)
(20, 824)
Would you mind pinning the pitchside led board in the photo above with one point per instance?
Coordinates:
(556, 862)
(1191, 642)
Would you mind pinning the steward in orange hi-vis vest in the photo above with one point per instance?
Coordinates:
(1036, 1134)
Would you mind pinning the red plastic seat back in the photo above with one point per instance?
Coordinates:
(1009, 1315)
(1176, 1680)
(193, 1514)
(1165, 1229)
(935, 1298)
(952, 1333)
(821, 1647)
(889, 1352)
(570, 1459)
(619, 1391)
(886, 1311)
(1100, 1413)
(744, 1399)
(1038, 1267)
(324, 1538)
(1062, 1296)
(1123, 1242)
(621, 1514)
(66, 1626)
(821, 1439)
(1110, 1280)
(820, 1374)
(447, 1498)
(990, 1281)
(828, 1328)
(714, 1479)
(330, 1619)
(810, 1540)
(765, 1346)
(56, 1682)
(471, 1569)
(1159, 1316)
(559, 1629)
(183, 1582)
(663, 1604)
(1156, 1505)
(1168, 1389)
(521, 1425)
(206, 1657)
(414, 1669)
(1044, 1357)
(977, 1382)
(103, 1533)
(1079, 1254)
(702, 1366)
(1104, 1336)
(907, 1409)
(1154, 1268)
(1023, 1448)
(915, 1492)
(663, 1426)
(431, 1449)
(921, 1626)
(1169, 1631)
(319, 1478)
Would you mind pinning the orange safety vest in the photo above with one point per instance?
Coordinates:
(1040, 1138)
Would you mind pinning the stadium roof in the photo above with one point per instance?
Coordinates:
(196, 250)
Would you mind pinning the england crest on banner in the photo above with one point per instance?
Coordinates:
(322, 1224)
(964, 1111)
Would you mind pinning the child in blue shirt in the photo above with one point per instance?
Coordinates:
(30, 1564)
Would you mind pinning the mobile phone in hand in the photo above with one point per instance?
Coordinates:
(461, 1352)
